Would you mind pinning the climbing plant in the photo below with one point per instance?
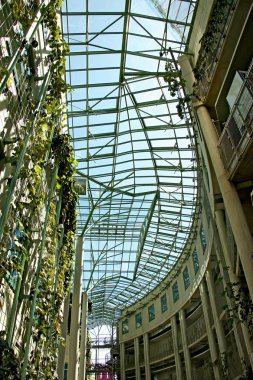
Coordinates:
(9, 364)
(241, 308)
(176, 84)
(88, 352)
(210, 39)
(49, 149)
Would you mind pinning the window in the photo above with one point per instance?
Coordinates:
(138, 320)
(164, 305)
(195, 260)
(151, 312)
(125, 328)
(186, 278)
(175, 292)
(203, 239)
(65, 371)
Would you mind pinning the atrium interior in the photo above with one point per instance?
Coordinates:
(126, 189)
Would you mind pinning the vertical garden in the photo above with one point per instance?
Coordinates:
(37, 195)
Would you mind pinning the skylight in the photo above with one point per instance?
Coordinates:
(136, 155)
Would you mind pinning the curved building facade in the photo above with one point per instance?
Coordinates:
(197, 322)
(126, 189)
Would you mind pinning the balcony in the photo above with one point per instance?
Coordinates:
(235, 142)
(224, 48)
(212, 44)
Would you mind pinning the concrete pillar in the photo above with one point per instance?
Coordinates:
(234, 209)
(187, 356)
(83, 344)
(146, 356)
(62, 348)
(217, 323)
(75, 313)
(122, 361)
(209, 331)
(137, 359)
(176, 349)
(220, 223)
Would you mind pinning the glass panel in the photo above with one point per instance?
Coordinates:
(164, 305)
(125, 328)
(203, 239)
(186, 278)
(134, 151)
(138, 320)
(175, 292)
(151, 312)
(195, 260)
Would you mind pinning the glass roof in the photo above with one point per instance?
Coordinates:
(136, 156)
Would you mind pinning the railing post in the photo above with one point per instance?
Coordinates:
(137, 358)
(75, 313)
(122, 362)
(146, 356)
(83, 344)
(209, 331)
(64, 329)
(187, 356)
(178, 363)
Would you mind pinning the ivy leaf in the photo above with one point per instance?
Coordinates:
(38, 169)
(45, 127)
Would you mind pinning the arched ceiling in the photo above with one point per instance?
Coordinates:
(136, 156)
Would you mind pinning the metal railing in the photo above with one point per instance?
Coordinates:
(203, 372)
(161, 348)
(196, 330)
(238, 130)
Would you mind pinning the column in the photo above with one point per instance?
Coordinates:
(146, 356)
(82, 367)
(75, 313)
(176, 349)
(62, 348)
(137, 359)
(122, 362)
(239, 225)
(217, 322)
(187, 356)
(209, 331)
(220, 223)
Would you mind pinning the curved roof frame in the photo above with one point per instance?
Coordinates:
(136, 156)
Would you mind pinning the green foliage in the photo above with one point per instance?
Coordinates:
(24, 11)
(176, 84)
(88, 351)
(209, 40)
(9, 364)
(242, 305)
(3, 72)
(31, 197)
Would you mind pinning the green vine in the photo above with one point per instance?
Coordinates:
(242, 305)
(176, 83)
(24, 11)
(88, 352)
(31, 195)
(209, 40)
(9, 364)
